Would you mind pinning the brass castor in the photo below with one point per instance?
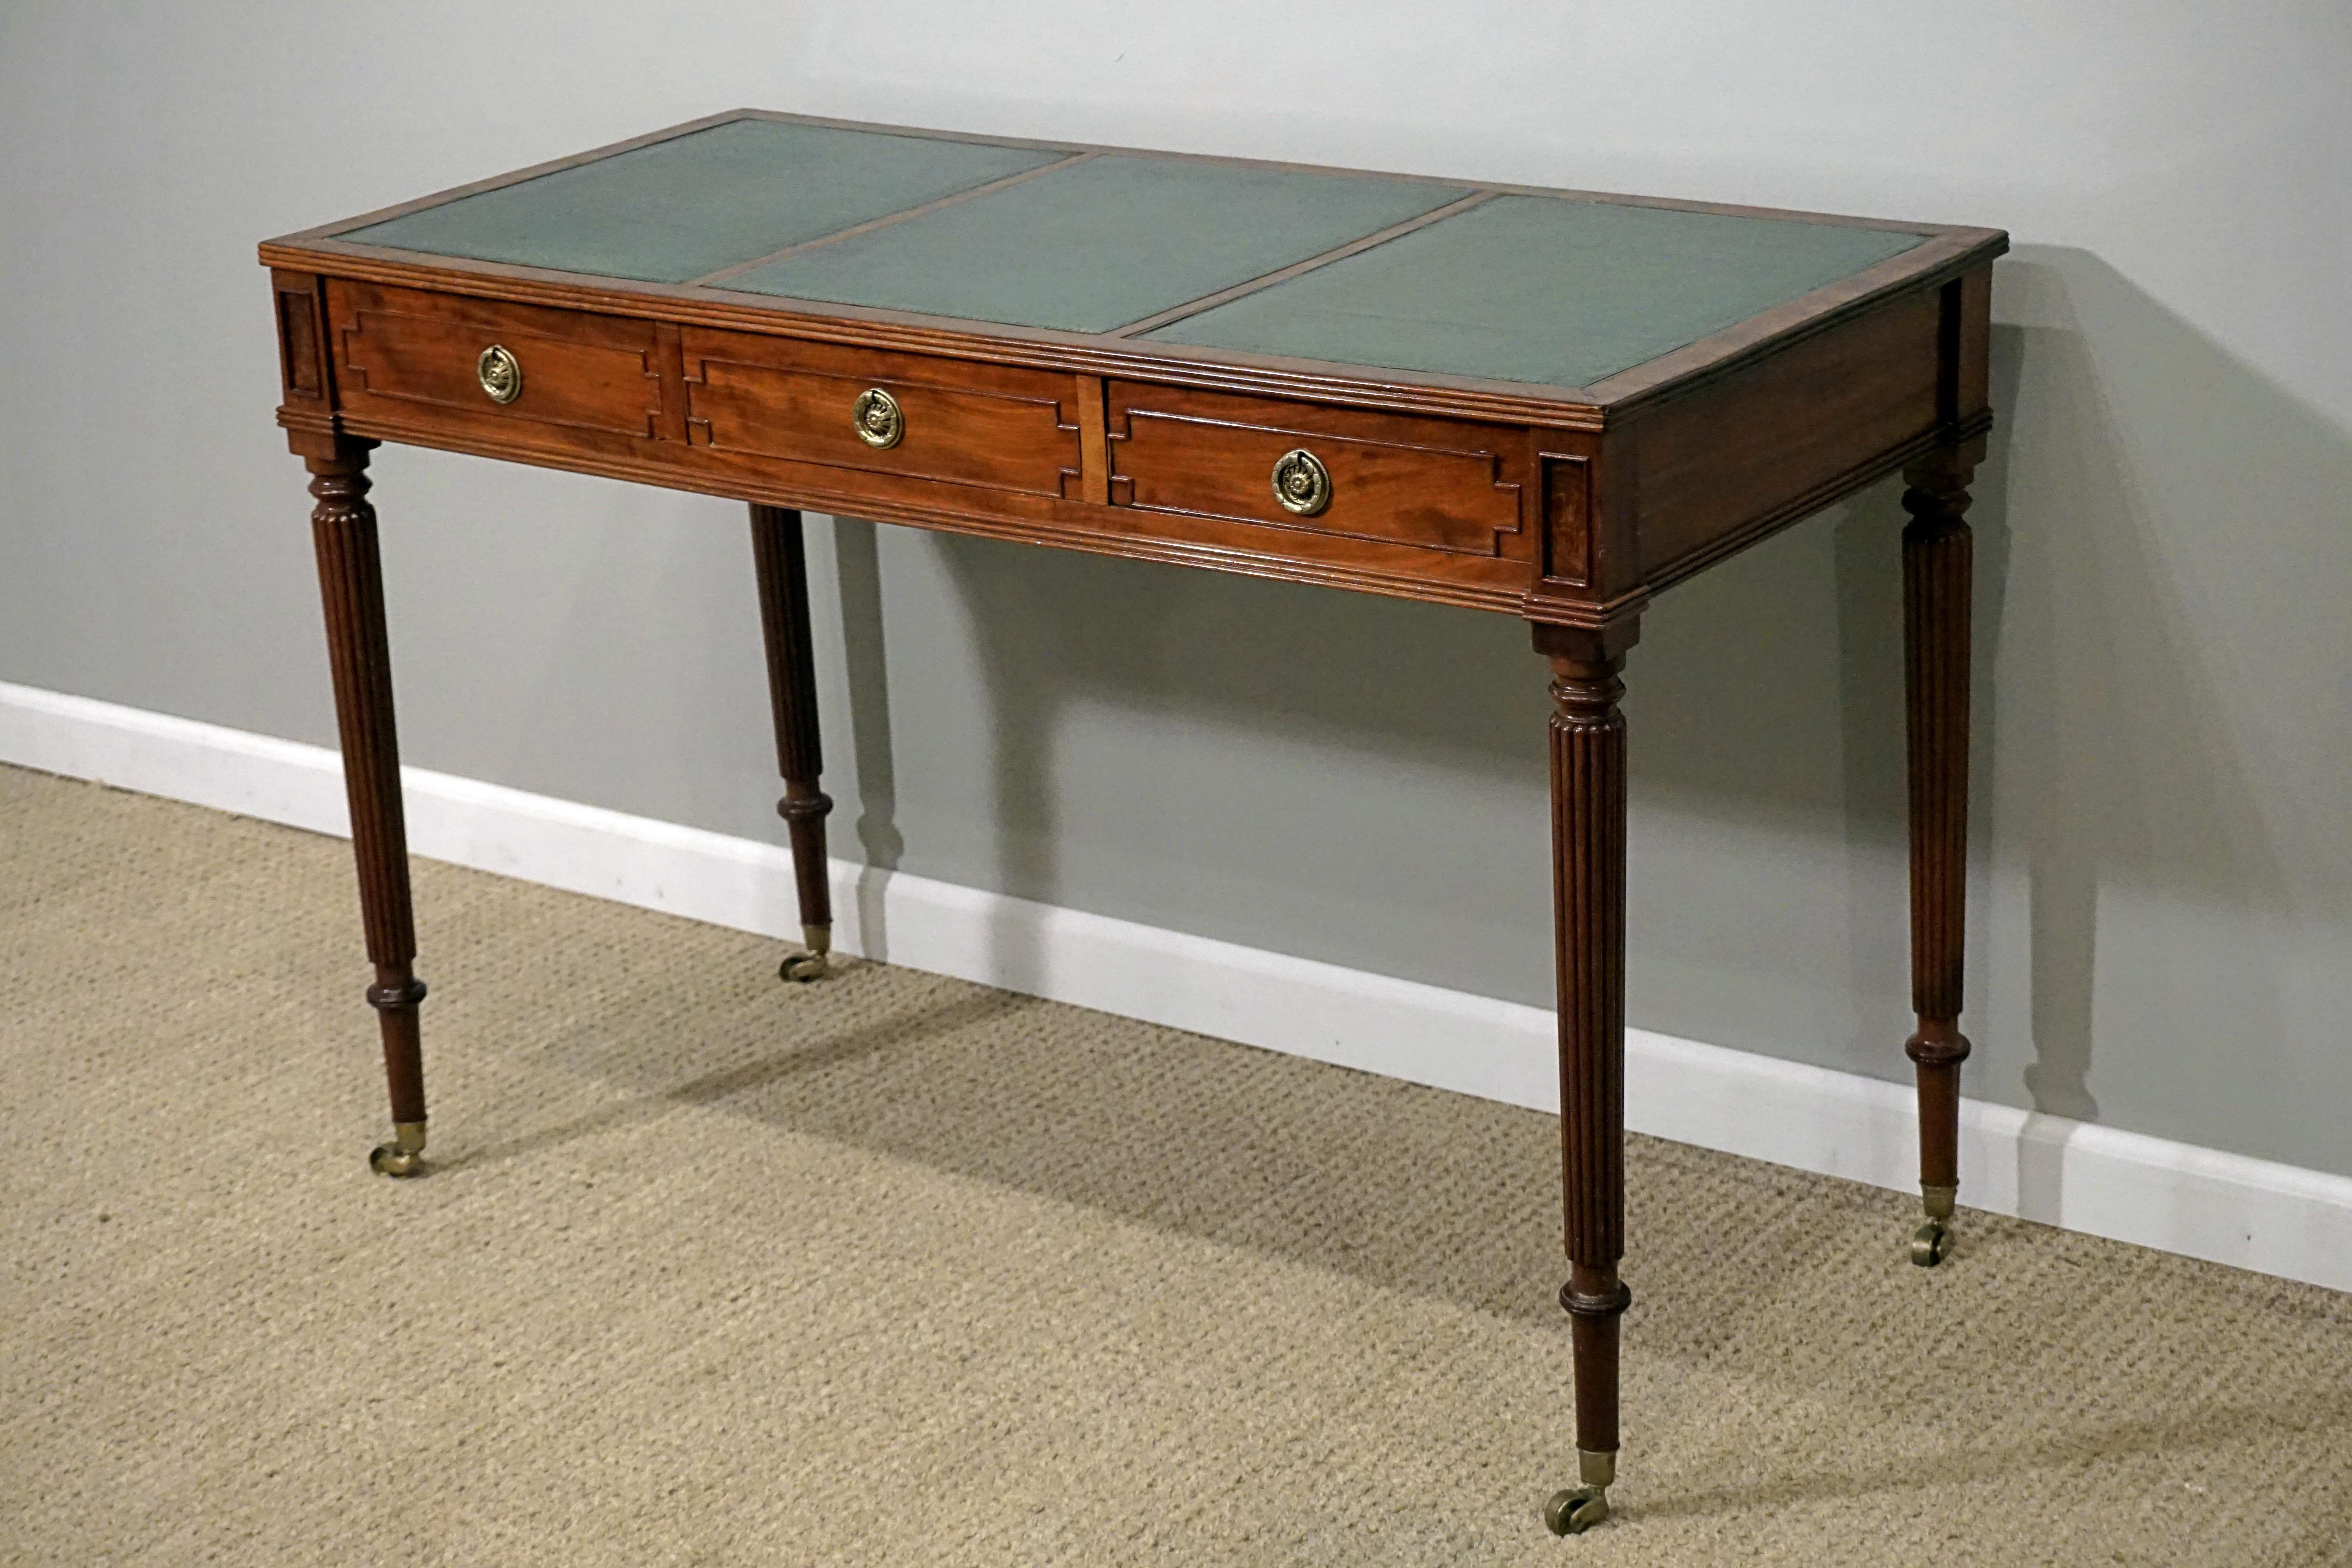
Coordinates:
(404, 1155)
(1932, 1242)
(1576, 1510)
(810, 963)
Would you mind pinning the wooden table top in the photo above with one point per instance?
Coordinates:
(1546, 296)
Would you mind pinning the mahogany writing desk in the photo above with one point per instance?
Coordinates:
(1547, 404)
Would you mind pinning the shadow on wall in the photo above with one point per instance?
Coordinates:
(857, 567)
(2163, 808)
(1157, 742)
(2169, 817)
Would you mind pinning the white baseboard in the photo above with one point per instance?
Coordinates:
(2203, 1203)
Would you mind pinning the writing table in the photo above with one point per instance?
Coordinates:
(1547, 403)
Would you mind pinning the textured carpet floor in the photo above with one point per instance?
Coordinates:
(896, 1270)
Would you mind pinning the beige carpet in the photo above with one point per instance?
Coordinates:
(896, 1269)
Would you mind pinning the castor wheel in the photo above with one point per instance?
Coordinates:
(1576, 1510)
(404, 1155)
(390, 1160)
(809, 963)
(1932, 1242)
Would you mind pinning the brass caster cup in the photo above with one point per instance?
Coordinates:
(1931, 1244)
(809, 963)
(1576, 1510)
(404, 1155)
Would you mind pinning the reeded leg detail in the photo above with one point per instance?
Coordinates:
(780, 559)
(351, 587)
(1588, 794)
(1937, 584)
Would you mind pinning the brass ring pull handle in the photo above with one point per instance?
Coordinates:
(878, 417)
(1301, 483)
(499, 373)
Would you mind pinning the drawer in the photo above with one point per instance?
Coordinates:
(402, 353)
(992, 427)
(1436, 484)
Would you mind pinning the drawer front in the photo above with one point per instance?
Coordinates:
(1435, 484)
(422, 354)
(993, 427)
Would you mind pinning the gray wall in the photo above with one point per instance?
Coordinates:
(2162, 918)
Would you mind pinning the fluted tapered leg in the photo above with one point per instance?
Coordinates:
(1588, 805)
(781, 559)
(350, 587)
(1937, 549)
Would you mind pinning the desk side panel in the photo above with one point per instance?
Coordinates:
(1723, 466)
